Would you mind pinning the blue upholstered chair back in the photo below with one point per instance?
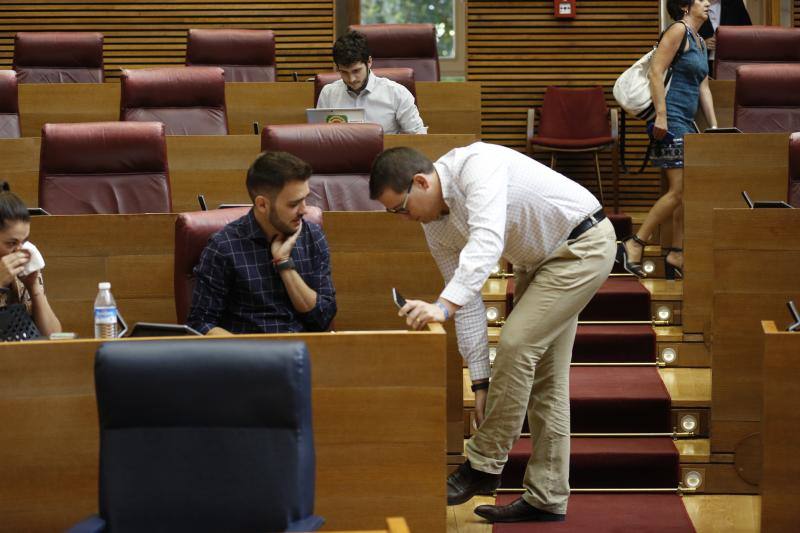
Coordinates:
(205, 435)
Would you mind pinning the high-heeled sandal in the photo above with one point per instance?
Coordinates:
(672, 272)
(634, 267)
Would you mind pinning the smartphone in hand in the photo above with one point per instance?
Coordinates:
(668, 138)
(399, 301)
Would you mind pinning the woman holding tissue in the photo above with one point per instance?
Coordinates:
(20, 265)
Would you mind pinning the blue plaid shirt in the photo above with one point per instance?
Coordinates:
(237, 287)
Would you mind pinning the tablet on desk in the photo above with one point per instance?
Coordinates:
(152, 329)
(722, 130)
(335, 115)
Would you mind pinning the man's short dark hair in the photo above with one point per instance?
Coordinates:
(272, 170)
(395, 168)
(675, 8)
(351, 48)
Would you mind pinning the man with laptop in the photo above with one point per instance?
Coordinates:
(383, 101)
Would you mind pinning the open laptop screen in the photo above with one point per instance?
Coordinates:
(335, 115)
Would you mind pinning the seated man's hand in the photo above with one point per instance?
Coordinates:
(282, 245)
(480, 406)
(711, 43)
(419, 313)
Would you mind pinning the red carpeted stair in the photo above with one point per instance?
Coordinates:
(608, 462)
(624, 343)
(611, 399)
(619, 299)
(611, 513)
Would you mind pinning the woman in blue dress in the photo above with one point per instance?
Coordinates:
(675, 111)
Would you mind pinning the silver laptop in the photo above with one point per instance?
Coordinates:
(335, 115)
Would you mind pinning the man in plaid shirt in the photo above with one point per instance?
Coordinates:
(267, 272)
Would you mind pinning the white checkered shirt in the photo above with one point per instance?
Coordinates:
(385, 102)
(502, 203)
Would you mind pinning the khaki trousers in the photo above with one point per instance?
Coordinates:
(531, 368)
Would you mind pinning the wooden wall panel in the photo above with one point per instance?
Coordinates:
(516, 49)
(149, 34)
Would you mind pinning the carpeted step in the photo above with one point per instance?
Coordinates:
(619, 299)
(623, 225)
(609, 399)
(611, 343)
(610, 513)
(619, 463)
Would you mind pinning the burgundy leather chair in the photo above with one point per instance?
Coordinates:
(192, 231)
(403, 76)
(341, 157)
(794, 170)
(244, 55)
(403, 45)
(744, 45)
(575, 120)
(767, 98)
(9, 105)
(104, 167)
(188, 100)
(58, 57)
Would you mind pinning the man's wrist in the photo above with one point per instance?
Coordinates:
(285, 264)
(444, 309)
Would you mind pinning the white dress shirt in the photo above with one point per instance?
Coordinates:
(502, 203)
(385, 102)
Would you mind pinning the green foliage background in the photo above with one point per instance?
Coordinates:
(438, 12)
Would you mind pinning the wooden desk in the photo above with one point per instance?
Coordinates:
(378, 418)
(780, 482)
(717, 168)
(445, 107)
(755, 257)
(215, 166)
(723, 93)
(135, 253)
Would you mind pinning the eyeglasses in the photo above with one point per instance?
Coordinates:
(402, 210)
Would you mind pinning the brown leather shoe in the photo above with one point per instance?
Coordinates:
(466, 482)
(517, 511)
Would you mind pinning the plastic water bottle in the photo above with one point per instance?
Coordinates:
(105, 313)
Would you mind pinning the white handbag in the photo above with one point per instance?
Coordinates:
(632, 88)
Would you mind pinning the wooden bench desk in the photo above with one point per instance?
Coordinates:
(755, 254)
(135, 253)
(213, 165)
(780, 487)
(445, 107)
(378, 418)
(717, 168)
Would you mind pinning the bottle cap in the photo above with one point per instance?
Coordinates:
(104, 285)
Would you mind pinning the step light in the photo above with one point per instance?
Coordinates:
(663, 313)
(692, 479)
(669, 355)
(649, 266)
(688, 423)
(492, 314)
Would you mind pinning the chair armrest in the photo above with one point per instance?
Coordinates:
(93, 524)
(309, 523)
(531, 128)
(614, 112)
